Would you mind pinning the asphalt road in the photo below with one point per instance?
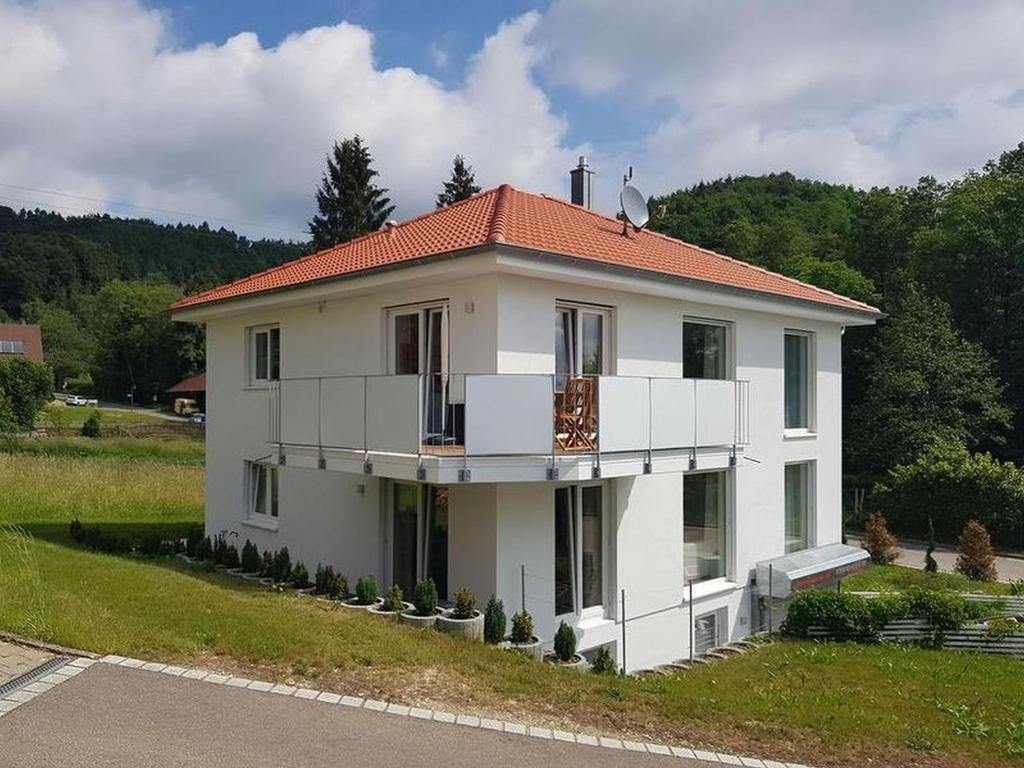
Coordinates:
(111, 716)
(912, 555)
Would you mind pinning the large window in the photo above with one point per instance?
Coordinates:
(799, 483)
(705, 522)
(419, 536)
(264, 354)
(581, 341)
(705, 350)
(579, 549)
(419, 345)
(798, 380)
(261, 491)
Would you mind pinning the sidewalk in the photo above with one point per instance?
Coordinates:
(1008, 567)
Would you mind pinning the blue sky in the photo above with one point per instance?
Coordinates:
(224, 110)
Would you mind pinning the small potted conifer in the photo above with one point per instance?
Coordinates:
(366, 594)
(425, 611)
(464, 619)
(494, 621)
(522, 640)
(392, 605)
(565, 649)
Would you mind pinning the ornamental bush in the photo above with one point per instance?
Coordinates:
(91, 426)
(192, 539)
(267, 563)
(954, 486)
(300, 575)
(522, 628)
(424, 597)
(229, 558)
(320, 579)
(366, 590)
(977, 559)
(25, 388)
(250, 558)
(204, 549)
(337, 587)
(494, 621)
(565, 643)
(603, 662)
(281, 566)
(465, 604)
(878, 541)
(393, 600)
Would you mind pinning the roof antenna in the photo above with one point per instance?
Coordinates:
(634, 205)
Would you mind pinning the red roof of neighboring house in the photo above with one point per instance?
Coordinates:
(509, 216)
(195, 383)
(27, 338)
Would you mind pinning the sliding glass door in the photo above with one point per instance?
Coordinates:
(579, 550)
(419, 345)
(581, 342)
(419, 536)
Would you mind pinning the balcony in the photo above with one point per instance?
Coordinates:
(542, 420)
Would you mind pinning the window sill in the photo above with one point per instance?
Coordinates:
(799, 434)
(259, 385)
(266, 524)
(711, 588)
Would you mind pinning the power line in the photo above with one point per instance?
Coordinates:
(119, 203)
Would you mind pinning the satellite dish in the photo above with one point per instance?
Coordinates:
(634, 207)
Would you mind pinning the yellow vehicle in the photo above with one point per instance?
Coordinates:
(185, 406)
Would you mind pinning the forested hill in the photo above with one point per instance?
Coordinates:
(51, 257)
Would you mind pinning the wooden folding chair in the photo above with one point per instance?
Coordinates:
(576, 416)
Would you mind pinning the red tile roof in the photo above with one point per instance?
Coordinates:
(31, 339)
(196, 383)
(509, 216)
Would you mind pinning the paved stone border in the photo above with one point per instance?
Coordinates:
(15, 699)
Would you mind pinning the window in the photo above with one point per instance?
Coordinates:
(798, 380)
(705, 350)
(799, 484)
(419, 536)
(12, 347)
(262, 490)
(265, 354)
(705, 518)
(579, 549)
(418, 344)
(706, 635)
(581, 341)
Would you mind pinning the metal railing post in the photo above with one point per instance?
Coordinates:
(522, 586)
(623, 632)
(691, 621)
(771, 598)
(553, 471)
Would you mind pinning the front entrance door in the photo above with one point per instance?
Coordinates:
(419, 537)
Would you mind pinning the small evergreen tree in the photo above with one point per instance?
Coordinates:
(603, 662)
(300, 575)
(465, 604)
(424, 597)
(522, 628)
(494, 621)
(91, 426)
(930, 565)
(977, 559)
(349, 203)
(366, 590)
(250, 558)
(393, 600)
(565, 643)
(879, 541)
(462, 184)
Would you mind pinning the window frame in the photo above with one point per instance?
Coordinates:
(422, 311)
(578, 310)
(730, 358)
(728, 522)
(252, 340)
(810, 378)
(809, 512)
(272, 493)
(601, 610)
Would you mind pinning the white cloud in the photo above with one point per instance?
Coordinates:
(96, 103)
(862, 91)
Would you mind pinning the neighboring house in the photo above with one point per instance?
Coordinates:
(517, 395)
(21, 340)
(194, 387)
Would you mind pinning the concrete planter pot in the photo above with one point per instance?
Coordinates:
(305, 591)
(233, 571)
(377, 610)
(532, 650)
(251, 577)
(421, 622)
(351, 603)
(471, 629)
(578, 662)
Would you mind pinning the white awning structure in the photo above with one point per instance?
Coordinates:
(814, 567)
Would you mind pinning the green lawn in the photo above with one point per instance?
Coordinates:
(67, 416)
(128, 449)
(878, 578)
(824, 704)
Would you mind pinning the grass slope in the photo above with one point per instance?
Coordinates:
(879, 578)
(798, 702)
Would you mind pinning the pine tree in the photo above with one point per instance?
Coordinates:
(350, 203)
(462, 185)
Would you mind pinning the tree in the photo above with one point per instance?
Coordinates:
(69, 345)
(977, 560)
(349, 203)
(925, 384)
(879, 541)
(25, 387)
(930, 564)
(462, 184)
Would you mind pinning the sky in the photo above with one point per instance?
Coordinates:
(224, 111)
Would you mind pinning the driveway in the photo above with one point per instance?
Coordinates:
(115, 716)
(912, 555)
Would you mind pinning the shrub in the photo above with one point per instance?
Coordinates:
(1016, 587)
(204, 550)
(603, 662)
(366, 590)
(843, 614)
(25, 388)
(465, 604)
(424, 597)
(337, 587)
(94, 537)
(494, 621)
(1001, 627)
(565, 643)
(220, 547)
(281, 566)
(961, 485)
(151, 544)
(878, 541)
(192, 539)
(522, 628)
(250, 558)
(393, 600)
(230, 558)
(91, 426)
(323, 572)
(930, 564)
(942, 610)
(976, 560)
(267, 563)
(300, 575)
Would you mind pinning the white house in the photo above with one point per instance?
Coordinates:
(521, 396)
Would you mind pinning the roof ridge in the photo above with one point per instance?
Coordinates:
(499, 217)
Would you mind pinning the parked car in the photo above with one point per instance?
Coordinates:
(198, 418)
(81, 402)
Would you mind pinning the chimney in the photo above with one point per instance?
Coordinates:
(581, 184)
